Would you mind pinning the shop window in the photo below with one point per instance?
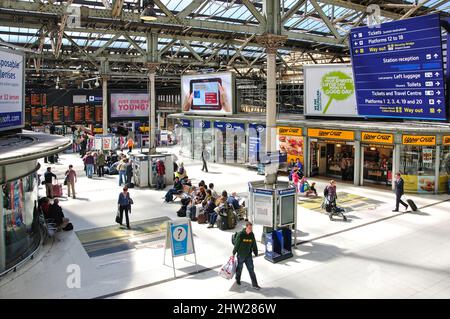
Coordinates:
(378, 164)
(417, 164)
(444, 170)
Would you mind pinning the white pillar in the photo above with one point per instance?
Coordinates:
(272, 42)
(437, 167)
(152, 106)
(105, 104)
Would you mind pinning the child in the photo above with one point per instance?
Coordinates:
(311, 189)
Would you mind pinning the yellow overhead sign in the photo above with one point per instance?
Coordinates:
(335, 134)
(290, 131)
(426, 140)
(446, 140)
(372, 137)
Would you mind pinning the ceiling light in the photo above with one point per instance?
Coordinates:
(97, 84)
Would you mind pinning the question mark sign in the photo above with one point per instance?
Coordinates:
(179, 232)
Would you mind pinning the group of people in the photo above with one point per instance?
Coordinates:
(53, 213)
(94, 163)
(125, 169)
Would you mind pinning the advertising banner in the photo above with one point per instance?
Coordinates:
(256, 142)
(398, 69)
(12, 99)
(427, 155)
(290, 142)
(129, 105)
(329, 90)
(208, 93)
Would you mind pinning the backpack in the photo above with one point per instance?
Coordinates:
(182, 212)
(325, 191)
(234, 237)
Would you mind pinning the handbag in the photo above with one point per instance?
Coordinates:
(65, 180)
(118, 217)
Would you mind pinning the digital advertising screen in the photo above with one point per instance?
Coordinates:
(12, 95)
(398, 69)
(129, 105)
(208, 93)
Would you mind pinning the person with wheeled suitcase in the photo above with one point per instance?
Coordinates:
(399, 191)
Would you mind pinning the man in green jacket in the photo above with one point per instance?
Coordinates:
(244, 245)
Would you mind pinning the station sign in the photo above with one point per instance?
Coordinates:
(185, 123)
(446, 140)
(334, 134)
(371, 137)
(421, 140)
(223, 126)
(398, 69)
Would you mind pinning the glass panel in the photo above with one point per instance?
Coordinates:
(21, 226)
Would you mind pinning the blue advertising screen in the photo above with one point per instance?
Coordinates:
(398, 69)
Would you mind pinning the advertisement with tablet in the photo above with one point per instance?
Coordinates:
(208, 93)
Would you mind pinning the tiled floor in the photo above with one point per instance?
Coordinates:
(374, 255)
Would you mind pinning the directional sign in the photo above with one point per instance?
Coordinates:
(398, 69)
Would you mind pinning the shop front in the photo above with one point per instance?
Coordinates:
(444, 168)
(203, 136)
(229, 143)
(377, 151)
(332, 153)
(418, 159)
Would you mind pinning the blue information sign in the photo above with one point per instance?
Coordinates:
(186, 123)
(179, 235)
(398, 69)
(256, 132)
(223, 126)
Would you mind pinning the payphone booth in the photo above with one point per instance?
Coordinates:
(140, 169)
(168, 163)
(275, 207)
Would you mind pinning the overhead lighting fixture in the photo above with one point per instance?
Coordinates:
(338, 145)
(97, 83)
(373, 148)
(57, 83)
(149, 13)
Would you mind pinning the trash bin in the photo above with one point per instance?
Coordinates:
(278, 245)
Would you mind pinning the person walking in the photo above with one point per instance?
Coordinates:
(130, 144)
(244, 246)
(399, 191)
(89, 162)
(48, 178)
(101, 161)
(129, 172)
(122, 169)
(204, 168)
(124, 203)
(71, 176)
(160, 175)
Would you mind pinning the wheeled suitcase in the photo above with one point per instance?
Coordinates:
(412, 204)
(57, 190)
(201, 218)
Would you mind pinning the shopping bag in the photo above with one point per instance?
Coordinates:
(228, 269)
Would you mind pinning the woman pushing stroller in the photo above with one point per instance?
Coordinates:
(330, 201)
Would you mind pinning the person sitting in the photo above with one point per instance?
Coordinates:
(44, 204)
(57, 216)
(233, 201)
(214, 193)
(220, 205)
(177, 189)
(202, 183)
(209, 208)
(181, 172)
(200, 196)
(186, 181)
